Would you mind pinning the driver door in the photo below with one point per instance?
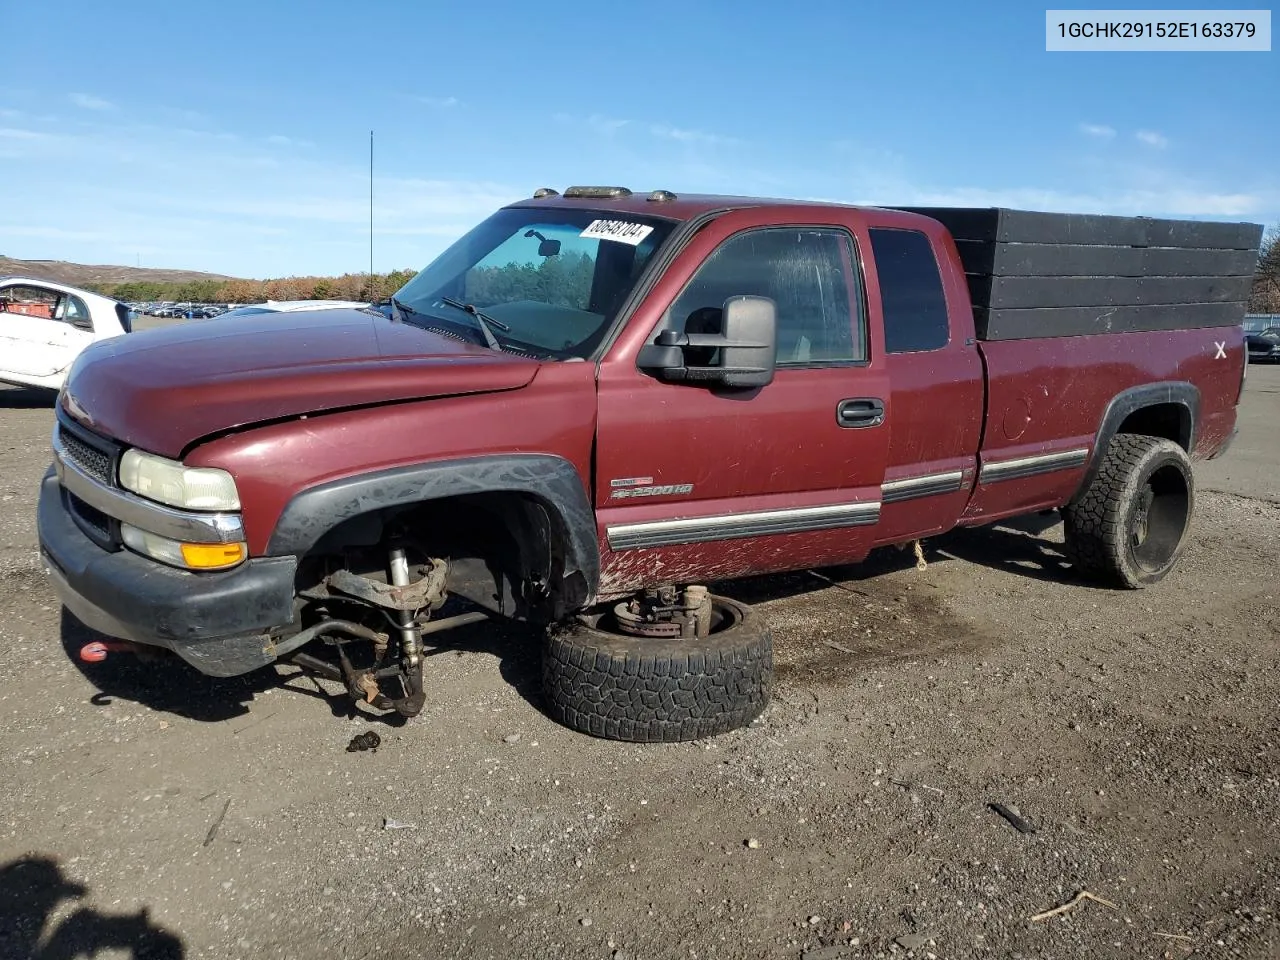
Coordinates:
(699, 483)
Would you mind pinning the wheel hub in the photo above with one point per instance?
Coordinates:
(666, 612)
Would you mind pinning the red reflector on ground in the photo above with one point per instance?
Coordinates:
(93, 652)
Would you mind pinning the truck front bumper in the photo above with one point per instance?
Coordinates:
(220, 623)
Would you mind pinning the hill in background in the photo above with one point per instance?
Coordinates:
(95, 276)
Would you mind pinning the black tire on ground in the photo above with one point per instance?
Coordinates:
(1128, 529)
(643, 690)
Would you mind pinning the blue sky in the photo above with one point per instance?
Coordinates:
(234, 137)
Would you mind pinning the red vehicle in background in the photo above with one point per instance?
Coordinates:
(597, 405)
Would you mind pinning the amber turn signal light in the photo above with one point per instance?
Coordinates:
(211, 556)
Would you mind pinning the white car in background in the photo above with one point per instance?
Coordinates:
(44, 326)
(293, 306)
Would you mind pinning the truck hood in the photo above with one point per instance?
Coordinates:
(164, 389)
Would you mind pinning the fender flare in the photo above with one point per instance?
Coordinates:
(311, 513)
(1181, 393)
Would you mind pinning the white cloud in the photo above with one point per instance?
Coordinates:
(1101, 131)
(57, 233)
(1152, 139)
(183, 115)
(1172, 201)
(280, 140)
(231, 206)
(17, 133)
(438, 101)
(7, 114)
(604, 124)
(597, 122)
(87, 102)
(689, 136)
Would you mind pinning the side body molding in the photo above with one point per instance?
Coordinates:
(551, 479)
(1180, 393)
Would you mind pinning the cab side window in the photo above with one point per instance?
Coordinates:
(911, 294)
(806, 272)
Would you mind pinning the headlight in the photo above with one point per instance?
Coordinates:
(188, 556)
(167, 481)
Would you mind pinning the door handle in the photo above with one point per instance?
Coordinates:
(860, 412)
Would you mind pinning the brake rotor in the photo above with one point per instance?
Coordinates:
(637, 625)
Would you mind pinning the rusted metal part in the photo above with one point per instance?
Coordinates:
(279, 647)
(637, 624)
(368, 687)
(362, 686)
(428, 591)
(666, 612)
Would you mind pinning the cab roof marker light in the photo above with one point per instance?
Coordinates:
(597, 193)
(545, 192)
(661, 196)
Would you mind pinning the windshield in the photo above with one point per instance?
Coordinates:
(546, 282)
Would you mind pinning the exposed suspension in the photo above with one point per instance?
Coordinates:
(408, 604)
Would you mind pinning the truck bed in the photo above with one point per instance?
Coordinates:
(1034, 275)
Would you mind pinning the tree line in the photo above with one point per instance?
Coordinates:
(563, 280)
(1266, 282)
(360, 287)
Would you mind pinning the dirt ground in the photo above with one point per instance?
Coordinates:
(159, 814)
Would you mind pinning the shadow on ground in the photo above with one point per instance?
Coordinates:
(26, 398)
(894, 624)
(167, 683)
(1015, 546)
(33, 888)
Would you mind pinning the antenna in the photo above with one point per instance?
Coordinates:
(371, 215)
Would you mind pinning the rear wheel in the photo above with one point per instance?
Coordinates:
(604, 681)
(1129, 527)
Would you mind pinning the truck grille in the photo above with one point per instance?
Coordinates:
(93, 462)
(94, 454)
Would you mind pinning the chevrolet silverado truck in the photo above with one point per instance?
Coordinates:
(596, 406)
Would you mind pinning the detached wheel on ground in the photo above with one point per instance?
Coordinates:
(1128, 529)
(654, 689)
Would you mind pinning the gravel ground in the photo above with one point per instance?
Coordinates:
(151, 813)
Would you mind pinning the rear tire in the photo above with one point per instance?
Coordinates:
(1129, 528)
(650, 690)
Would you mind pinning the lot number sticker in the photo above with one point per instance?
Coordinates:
(618, 230)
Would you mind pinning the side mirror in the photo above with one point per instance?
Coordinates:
(546, 248)
(746, 348)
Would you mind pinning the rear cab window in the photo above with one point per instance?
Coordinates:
(912, 298)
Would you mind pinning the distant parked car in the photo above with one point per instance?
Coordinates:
(45, 325)
(295, 306)
(1264, 346)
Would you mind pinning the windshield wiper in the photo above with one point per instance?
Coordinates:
(483, 320)
(405, 308)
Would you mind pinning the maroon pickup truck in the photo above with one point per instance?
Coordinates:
(596, 406)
